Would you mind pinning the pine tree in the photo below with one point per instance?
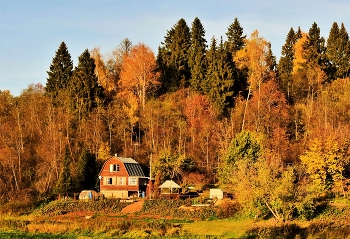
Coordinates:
(197, 60)
(60, 73)
(235, 38)
(64, 183)
(85, 93)
(87, 171)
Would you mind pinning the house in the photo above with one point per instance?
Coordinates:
(169, 189)
(122, 178)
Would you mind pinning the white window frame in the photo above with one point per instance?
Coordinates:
(114, 168)
(132, 181)
(109, 181)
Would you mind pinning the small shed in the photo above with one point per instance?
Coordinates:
(88, 195)
(217, 193)
(170, 189)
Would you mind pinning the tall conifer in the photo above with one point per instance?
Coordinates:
(60, 73)
(338, 52)
(85, 93)
(197, 60)
(235, 37)
(285, 64)
(173, 58)
(315, 49)
(220, 77)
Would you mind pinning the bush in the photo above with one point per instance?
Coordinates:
(227, 209)
(63, 207)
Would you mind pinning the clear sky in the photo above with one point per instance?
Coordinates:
(31, 31)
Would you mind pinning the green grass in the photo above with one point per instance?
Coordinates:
(218, 228)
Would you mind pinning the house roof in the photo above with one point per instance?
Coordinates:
(132, 167)
(169, 184)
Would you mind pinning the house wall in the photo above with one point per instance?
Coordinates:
(120, 187)
(115, 193)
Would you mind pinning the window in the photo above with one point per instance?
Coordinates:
(132, 181)
(109, 181)
(114, 168)
(121, 181)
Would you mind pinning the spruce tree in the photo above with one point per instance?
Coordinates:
(344, 53)
(332, 50)
(197, 60)
(235, 38)
(87, 171)
(235, 42)
(220, 77)
(173, 58)
(60, 73)
(85, 93)
(315, 50)
(338, 52)
(64, 184)
(270, 60)
(285, 64)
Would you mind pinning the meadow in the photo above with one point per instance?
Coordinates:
(160, 219)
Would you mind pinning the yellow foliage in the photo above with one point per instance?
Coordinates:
(299, 60)
(253, 57)
(324, 163)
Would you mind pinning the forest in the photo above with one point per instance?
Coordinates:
(222, 112)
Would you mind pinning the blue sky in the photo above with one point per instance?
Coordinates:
(31, 31)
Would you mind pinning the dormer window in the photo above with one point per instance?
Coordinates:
(114, 168)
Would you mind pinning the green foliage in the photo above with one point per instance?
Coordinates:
(64, 183)
(285, 64)
(173, 58)
(315, 49)
(219, 84)
(59, 207)
(244, 146)
(86, 171)
(338, 51)
(60, 73)
(197, 60)
(84, 92)
(235, 38)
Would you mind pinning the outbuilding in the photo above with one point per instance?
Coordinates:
(217, 193)
(88, 195)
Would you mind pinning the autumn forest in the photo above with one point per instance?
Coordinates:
(224, 112)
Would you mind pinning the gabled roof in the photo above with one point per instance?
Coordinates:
(132, 167)
(169, 184)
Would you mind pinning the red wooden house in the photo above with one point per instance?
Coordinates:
(122, 178)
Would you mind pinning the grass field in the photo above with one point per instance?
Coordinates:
(163, 220)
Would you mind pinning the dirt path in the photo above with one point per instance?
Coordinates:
(135, 207)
